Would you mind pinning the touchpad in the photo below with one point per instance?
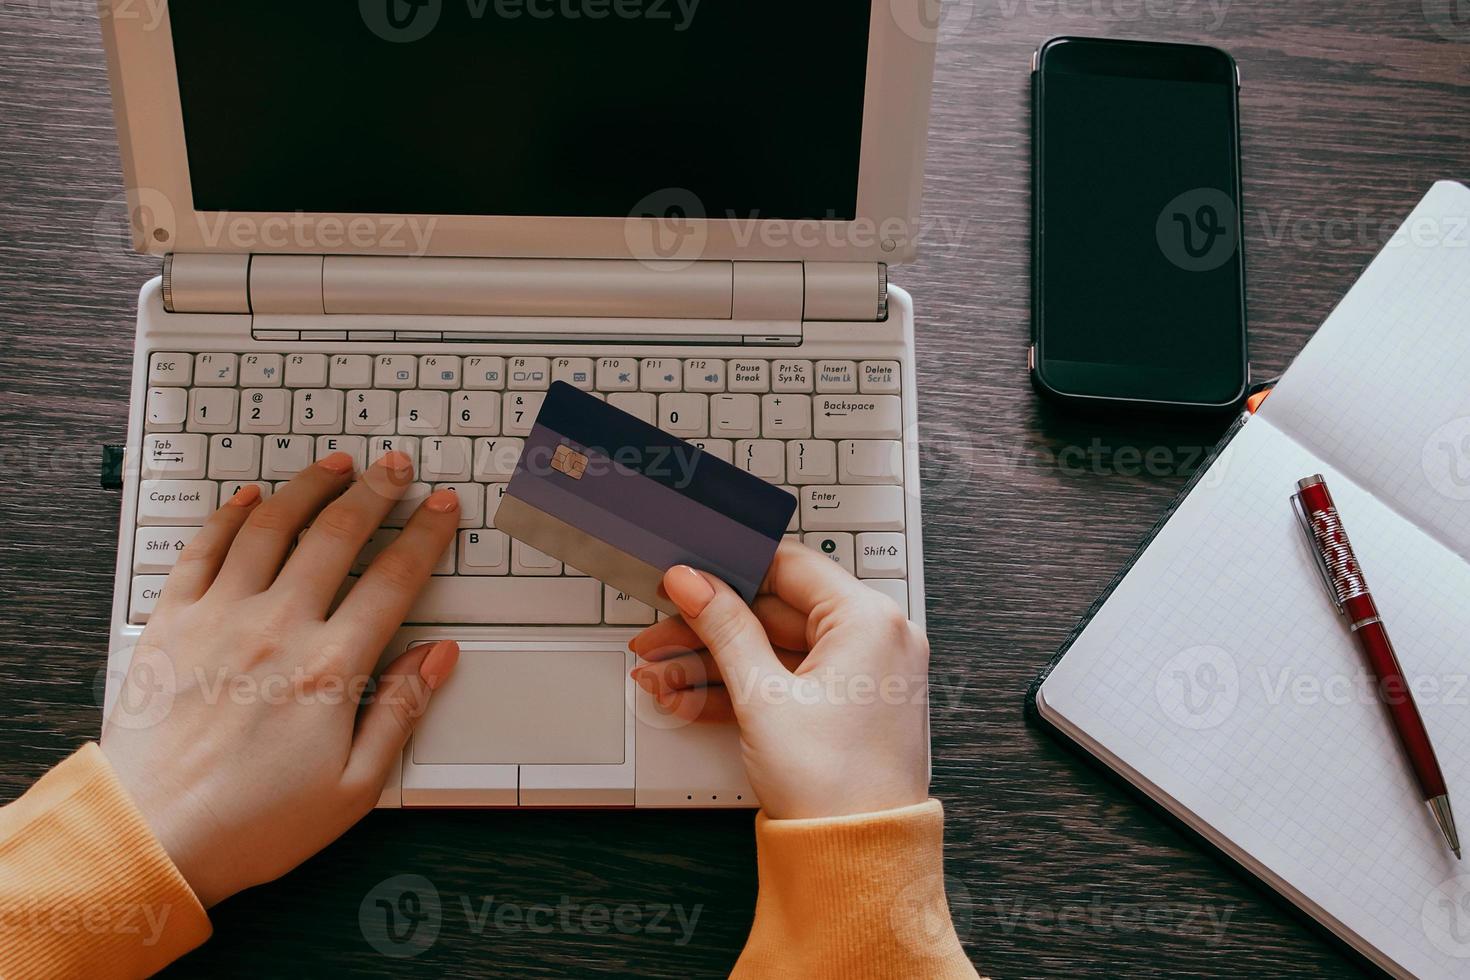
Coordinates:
(527, 707)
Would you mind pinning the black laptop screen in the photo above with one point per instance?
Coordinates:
(572, 108)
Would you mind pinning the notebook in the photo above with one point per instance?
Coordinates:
(1216, 677)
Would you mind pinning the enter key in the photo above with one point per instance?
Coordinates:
(852, 508)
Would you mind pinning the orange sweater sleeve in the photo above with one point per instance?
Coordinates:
(85, 887)
(853, 897)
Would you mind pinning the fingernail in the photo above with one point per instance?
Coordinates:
(439, 664)
(246, 496)
(339, 463)
(398, 464)
(443, 502)
(688, 590)
(645, 680)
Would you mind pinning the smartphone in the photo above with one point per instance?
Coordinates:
(1138, 272)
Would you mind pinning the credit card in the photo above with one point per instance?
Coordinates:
(623, 501)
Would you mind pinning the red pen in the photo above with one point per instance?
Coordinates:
(1347, 590)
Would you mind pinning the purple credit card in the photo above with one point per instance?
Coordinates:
(623, 501)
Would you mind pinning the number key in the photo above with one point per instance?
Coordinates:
(521, 410)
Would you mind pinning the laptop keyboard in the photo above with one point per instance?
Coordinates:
(829, 431)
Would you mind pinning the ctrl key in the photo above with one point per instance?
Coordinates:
(146, 590)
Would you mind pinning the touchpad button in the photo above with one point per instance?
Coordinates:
(525, 707)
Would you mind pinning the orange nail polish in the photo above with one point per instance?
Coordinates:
(339, 463)
(439, 664)
(443, 502)
(246, 496)
(688, 590)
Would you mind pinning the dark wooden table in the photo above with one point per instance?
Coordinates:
(1351, 109)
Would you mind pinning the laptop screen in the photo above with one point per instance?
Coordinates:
(559, 108)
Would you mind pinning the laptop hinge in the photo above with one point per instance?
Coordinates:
(602, 289)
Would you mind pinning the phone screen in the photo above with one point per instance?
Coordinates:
(1139, 262)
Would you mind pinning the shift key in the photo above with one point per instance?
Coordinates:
(176, 503)
(857, 417)
(852, 508)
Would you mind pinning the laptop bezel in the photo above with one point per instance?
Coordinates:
(901, 52)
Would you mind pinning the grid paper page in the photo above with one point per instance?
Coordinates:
(1383, 390)
(1220, 672)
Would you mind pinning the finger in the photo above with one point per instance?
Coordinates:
(262, 544)
(704, 706)
(805, 579)
(693, 670)
(725, 626)
(784, 626)
(200, 561)
(380, 601)
(316, 569)
(402, 695)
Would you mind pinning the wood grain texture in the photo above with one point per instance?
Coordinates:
(1350, 112)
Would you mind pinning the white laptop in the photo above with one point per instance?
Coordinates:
(392, 224)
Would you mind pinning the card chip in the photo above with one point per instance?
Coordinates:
(567, 460)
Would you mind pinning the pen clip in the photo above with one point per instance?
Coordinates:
(1315, 548)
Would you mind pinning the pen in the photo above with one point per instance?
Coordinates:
(1349, 593)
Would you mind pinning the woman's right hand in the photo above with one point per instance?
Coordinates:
(827, 679)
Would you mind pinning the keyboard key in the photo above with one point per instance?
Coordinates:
(174, 457)
(216, 370)
(495, 459)
(852, 508)
(423, 413)
(352, 371)
(170, 370)
(529, 374)
(318, 411)
(869, 462)
(836, 545)
(484, 373)
(520, 412)
(701, 374)
(575, 371)
(617, 374)
(475, 413)
(765, 458)
(526, 560)
(811, 461)
(786, 416)
(794, 525)
(212, 409)
(858, 417)
(791, 377)
(439, 372)
(234, 457)
(306, 371)
(895, 589)
(156, 549)
(661, 374)
(167, 409)
(146, 591)
(264, 410)
(262, 371)
(880, 378)
(749, 376)
(371, 412)
(407, 505)
(621, 609)
(285, 456)
(494, 494)
(882, 556)
(718, 448)
(446, 459)
(484, 552)
(229, 488)
(735, 416)
(354, 446)
(684, 415)
(510, 601)
(396, 371)
(471, 503)
(638, 405)
(380, 446)
(175, 503)
(837, 377)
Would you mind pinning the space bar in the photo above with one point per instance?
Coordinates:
(509, 601)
